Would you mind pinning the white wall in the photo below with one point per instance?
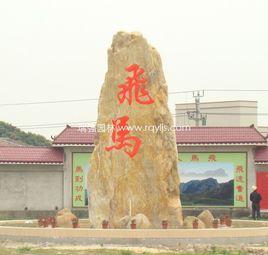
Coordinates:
(35, 187)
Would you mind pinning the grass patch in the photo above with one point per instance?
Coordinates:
(23, 250)
(39, 251)
(3, 217)
(126, 253)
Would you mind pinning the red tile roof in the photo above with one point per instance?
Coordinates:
(85, 136)
(75, 136)
(196, 135)
(261, 154)
(220, 135)
(31, 155)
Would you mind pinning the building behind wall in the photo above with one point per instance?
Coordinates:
(36, 180)
(238, 113)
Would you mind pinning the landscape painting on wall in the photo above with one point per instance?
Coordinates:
(212, 179)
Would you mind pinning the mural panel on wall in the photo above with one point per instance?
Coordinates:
(79, 184)
(207, 179)
(213, 179)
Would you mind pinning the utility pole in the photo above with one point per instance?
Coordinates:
(196, 115)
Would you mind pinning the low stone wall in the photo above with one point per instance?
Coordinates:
(83, 213)
(167, 237)
(217, 212)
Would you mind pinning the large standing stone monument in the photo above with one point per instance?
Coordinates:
(134, 171)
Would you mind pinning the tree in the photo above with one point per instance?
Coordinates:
(14, 133)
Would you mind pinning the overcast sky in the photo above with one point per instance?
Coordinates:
(56, 50)
(222, 172)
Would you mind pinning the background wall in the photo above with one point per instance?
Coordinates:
(41, 188)
(35, 187)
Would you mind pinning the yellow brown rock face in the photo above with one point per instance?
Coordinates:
(149, 178)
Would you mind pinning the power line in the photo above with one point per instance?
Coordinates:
(236, 90)
(65, 123)
(49, 102)
(181, 92)
(226, 113)
(67, 100)
(237, 113)
(56, 124)
(96, 99)
(52, 126)
(44, 127)
(94, 121)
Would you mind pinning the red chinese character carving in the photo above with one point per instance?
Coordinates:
(212, 158)
(239, 188)
(78, 178)
(79, 169)
(137, 83)
(239, 178)
(239, 169)
(195, 157)
(240, 198)
(121, 139)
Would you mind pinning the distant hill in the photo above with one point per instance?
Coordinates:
(5, 141)
(207, 192)
(10, 132)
